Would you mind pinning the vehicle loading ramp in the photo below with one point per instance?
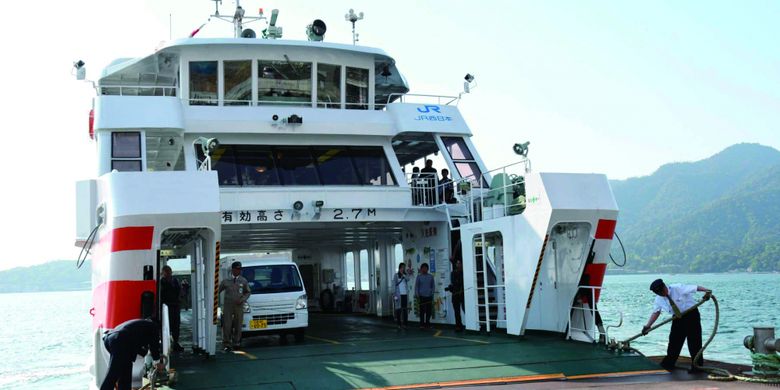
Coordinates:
(359, 351)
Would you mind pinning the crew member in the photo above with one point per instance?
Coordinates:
(456, 288)
(170, 295)
(128, 339)
(237, 292)
(676, 299)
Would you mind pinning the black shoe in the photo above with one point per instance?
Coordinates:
(227, 349)
(668, 367)
(177, 347)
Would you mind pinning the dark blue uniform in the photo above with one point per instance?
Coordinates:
(130, 338)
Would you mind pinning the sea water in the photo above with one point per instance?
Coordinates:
(45, 338)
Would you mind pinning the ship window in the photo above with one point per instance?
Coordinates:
(222, 161)
(349, 260)
(464, 161)
(372, 166)
(126, 145)
(363, 272)
(357, 88)
(126, 165)
(203, 83)
(255, 165)
(328, 86)
(263, 165)
(296, 166)
(238, 83)
(335, 166)
(284, 82)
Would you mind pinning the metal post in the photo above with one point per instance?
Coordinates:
(485, 283)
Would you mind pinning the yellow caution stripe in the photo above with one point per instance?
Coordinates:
(216, 283)
(538, 268)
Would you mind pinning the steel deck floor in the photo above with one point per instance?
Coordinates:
(357, 351)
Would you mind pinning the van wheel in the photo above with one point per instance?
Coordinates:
(299, 334)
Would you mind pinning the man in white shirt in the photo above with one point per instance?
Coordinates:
(675, 299)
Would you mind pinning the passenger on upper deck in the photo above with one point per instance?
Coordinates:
(429, 174)
(416, 190)
(447, 191)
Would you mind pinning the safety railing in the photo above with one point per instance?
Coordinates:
(584, 305)
(137, 90)
(441, 100)
(504, 195)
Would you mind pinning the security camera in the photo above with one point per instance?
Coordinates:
(319, 203)
(275, 117)
(469, 77)
(298, 205)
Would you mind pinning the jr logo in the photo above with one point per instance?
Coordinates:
(427, 108)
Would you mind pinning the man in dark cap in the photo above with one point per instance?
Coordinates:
(130, 338)
(237, 291)
(675, 299)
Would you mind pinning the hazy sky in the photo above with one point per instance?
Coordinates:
(615, 87)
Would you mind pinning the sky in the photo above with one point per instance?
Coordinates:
(612, 87)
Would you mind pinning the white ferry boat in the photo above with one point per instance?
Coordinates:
(254, 145)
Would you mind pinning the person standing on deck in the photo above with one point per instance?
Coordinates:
(237, 292)
(675, 299)
(130, 338)
(456, 289)
(423, 290)
(170, 295)
(429, 174)
(400, 296)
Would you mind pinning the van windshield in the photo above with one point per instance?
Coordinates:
(268, 279)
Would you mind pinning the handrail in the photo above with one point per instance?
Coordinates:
(165, 89)
(439, 97)
(593, 331)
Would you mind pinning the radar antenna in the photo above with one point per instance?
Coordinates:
(238, 19)
(353, 17)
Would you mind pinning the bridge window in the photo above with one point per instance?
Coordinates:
(126, 151)
(284, 82)
(464, 161)
(328, 86)
(357, 88)
(238, 83)
(203, 83)
(260, 165)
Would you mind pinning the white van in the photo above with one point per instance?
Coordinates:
(278, 302)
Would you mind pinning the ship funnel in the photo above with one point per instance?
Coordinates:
(316, 30)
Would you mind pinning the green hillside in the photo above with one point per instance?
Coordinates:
(714, 215)
(54, 276)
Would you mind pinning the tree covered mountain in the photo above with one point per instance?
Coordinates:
(718, 214)
(58, 275)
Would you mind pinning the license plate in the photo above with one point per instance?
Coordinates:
(258, 324)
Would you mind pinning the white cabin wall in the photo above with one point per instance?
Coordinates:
(421, 243)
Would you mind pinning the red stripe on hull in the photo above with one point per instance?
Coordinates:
(605, 229)
(595, 274)
(117, 301)
(128, 238)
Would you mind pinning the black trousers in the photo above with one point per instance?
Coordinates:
(686, 328)
(120, 367)
(402, 310)
(174, 315)
(426, 308)
(458, 304)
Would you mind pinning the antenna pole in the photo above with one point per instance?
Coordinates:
(352, 17)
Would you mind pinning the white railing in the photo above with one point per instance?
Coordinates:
(591, 329)
(442, 100)
(138, 90)
(496, 193)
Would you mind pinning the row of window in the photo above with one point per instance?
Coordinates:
(263, 165)
(279, 83)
